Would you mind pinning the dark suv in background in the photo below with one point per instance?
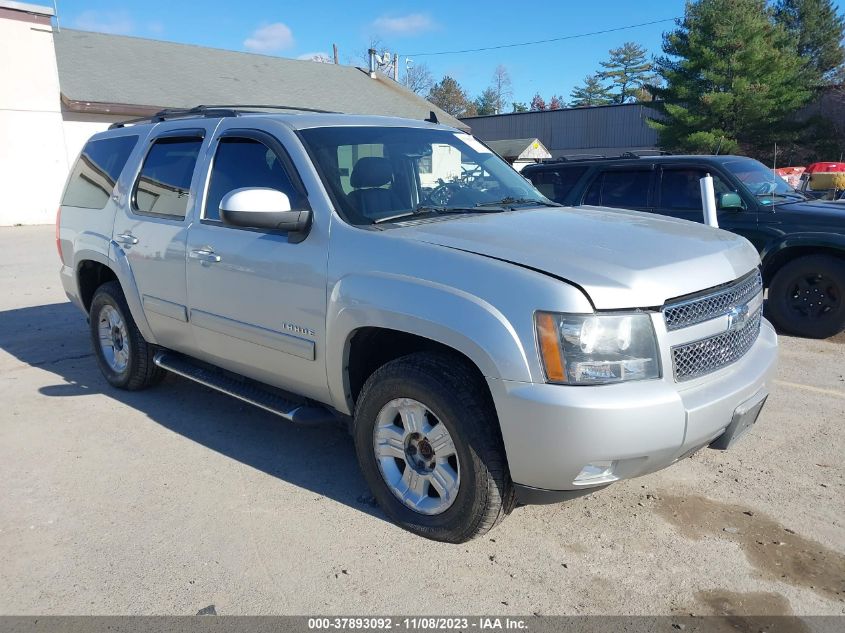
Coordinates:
(801, 241)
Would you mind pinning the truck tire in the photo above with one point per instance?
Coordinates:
(807, 297)
(429, 445)
(125, 358)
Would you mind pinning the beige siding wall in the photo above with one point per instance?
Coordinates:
(33, 159)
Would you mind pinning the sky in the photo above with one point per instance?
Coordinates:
(411, 29)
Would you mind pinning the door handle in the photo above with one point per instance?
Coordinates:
(127, 238)
(204, 255)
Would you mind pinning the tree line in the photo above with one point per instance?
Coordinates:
(730, 78)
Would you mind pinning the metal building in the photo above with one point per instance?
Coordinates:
(605, 130)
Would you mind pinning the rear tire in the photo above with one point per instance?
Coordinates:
(456, 487)
(807, 297)
(124, 357)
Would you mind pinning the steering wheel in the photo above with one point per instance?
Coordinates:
(443, 193)
(765, 189)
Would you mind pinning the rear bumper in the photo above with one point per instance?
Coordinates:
(551, 432)
(66, 274)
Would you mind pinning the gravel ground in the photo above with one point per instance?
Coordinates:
(172, 500)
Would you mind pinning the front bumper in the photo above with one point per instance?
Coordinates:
(551, 432)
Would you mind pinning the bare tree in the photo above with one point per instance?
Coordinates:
(417, 78)
(319, 57)
(384, 59)
(502, 87)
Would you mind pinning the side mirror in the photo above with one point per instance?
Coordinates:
(261, 208)
(730, 201)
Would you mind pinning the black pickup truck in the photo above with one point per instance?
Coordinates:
(801, 241)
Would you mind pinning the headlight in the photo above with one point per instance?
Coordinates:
(589, 349)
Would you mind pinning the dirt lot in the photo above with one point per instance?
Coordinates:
(171, 500)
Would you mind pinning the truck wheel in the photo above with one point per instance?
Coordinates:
(429, 446)
(125, 358)
(807, 297)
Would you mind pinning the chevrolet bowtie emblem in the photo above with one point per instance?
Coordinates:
(737, 317)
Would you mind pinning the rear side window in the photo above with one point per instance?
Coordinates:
(556, 184)
(96, 172)
(620, 188)
(164, 184)
(680, 189)
(244, 162)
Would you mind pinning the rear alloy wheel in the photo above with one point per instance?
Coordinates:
(125, 358)
(429, 445)
(807, 297)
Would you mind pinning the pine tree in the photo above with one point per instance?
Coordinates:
(448, 95)
(592, 93)
(519, 106)
(486, 102)
(817, 29)
(732, 79)
(628, 69)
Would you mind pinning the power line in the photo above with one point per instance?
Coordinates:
(553, 39)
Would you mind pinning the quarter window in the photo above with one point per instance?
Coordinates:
(620, 188)
(245, 162)
(164, 185)
(96, 172)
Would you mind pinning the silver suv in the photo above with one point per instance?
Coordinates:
(484, 345)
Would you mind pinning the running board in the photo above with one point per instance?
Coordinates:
(246, 389)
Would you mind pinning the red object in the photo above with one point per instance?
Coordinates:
(58, 241)
(792, 175)
(826, 168)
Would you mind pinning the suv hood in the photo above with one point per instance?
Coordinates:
(621, 259)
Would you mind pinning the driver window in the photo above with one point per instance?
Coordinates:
(245, 162)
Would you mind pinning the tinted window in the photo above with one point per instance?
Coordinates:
(97, 170)
(556, 184)
(164, 184)
(620, 188)
(243, 162)
(680, 188)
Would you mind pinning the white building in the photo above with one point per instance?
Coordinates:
(57, 87)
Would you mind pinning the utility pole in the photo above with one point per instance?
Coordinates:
(396, 67)
(334, 50)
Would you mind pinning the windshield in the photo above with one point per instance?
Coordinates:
(381, 174)
(762, 182)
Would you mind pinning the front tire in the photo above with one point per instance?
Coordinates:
(124, 357)
(807, 297)
(428, 442)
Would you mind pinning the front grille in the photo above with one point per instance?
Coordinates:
(688, 312)
(695, 359)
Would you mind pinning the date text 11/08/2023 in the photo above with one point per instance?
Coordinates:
(417, 623)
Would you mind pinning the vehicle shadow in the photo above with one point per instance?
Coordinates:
(55, 338)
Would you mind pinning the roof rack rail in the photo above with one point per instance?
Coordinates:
(640, 153)
(574, 157)
(210, 111)
(634, 154)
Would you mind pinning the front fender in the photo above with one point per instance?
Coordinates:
(773, 252)
(428, 309)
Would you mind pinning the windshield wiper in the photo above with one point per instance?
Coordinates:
(423, 209)
(511, 200)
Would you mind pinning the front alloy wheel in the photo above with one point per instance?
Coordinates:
(429, 446)
(416, 456)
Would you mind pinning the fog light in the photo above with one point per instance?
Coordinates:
(595, 472)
